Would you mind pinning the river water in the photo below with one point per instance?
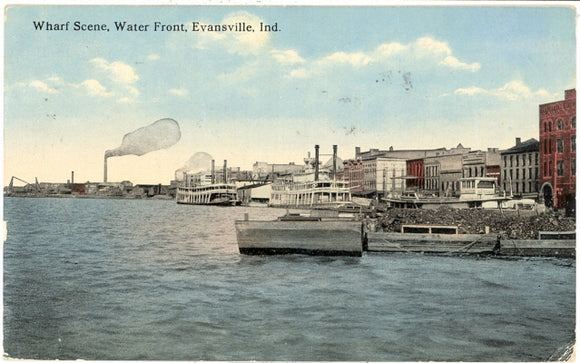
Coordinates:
(100, 279)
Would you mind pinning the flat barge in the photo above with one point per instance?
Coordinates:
(301, 235)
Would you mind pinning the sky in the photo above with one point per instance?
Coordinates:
(410, 77)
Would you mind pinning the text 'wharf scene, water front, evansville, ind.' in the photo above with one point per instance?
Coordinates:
(156, 26)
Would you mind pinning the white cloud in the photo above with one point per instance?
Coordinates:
(126, 100)
(388, 49)
(428, 45)
(178, 92)
(95, 88)
(287, 57)
(237, 42)
(117, 71)
(299, 73)
(424, 52)
(513, 90)
(470, 91)
(42, 87)
(453, 62)
(355, 59)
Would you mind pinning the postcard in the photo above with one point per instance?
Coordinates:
(290, 182)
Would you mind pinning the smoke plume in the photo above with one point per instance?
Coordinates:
(159, 135)
(198, 162)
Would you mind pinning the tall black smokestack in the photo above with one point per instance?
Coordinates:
(334, 150)
(105, 171)
(225, 171)
(72, 177)
(212, 171)
(316, 153)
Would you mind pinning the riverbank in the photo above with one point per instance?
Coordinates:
(509, 224)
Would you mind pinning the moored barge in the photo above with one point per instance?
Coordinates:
(294, 233)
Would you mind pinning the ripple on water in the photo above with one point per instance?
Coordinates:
(153, 280)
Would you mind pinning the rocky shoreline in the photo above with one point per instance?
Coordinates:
(509, 223)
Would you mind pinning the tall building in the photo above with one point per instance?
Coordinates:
(520, 169)
(558, 152)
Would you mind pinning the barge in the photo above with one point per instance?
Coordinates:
(433, 239)
(297, 234)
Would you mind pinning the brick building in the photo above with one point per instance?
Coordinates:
(415, 174)
(354, 172)
(558, 152)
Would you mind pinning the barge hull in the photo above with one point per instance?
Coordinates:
(328, 238)
(431, 243)
(539, 248)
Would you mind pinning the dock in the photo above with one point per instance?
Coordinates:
(446, 240)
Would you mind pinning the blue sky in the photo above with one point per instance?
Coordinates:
(373, 76)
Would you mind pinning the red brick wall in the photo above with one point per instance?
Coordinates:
(557, 148)
(416, 168)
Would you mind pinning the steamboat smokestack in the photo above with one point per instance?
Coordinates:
(72, 177)
(225, 171)
(105, 170)
(316, 156)
(334, 150)
(212, 171)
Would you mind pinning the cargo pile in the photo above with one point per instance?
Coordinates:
(510, 224)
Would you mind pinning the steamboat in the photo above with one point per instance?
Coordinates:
(201, 189)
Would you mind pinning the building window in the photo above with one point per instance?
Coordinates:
(545, 127)
(529, 159)
(560, 125)
(517, 173)
(573, 166)
(537, 160)
(517, 160)
(560, 145)
(560, 167)
(523, 173)
(511, 161)
(573, 142)
(573, 122)
(545, 171)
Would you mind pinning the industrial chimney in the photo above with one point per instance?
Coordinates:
(316, 156)
(334, 149)
(105, 172)
(72, 177)
(225, 171)
(212, 171)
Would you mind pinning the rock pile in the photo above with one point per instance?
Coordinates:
(509, 224)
